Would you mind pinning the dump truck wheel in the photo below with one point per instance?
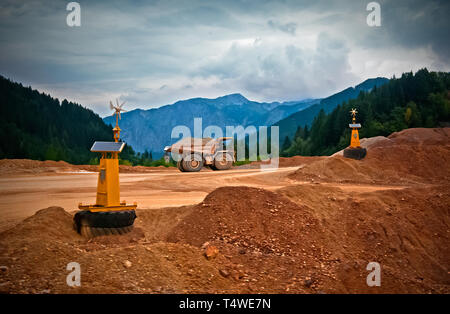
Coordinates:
(180, 165)
(90, 224)
(355, 153)
(224, 162)
(192, 164)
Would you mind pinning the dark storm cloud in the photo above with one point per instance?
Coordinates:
(156, 52)
(414, 24)
(409, 24)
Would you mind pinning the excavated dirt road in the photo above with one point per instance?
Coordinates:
(22, 195)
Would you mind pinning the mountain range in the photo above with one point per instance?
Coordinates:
(151, 129)
(38, 126)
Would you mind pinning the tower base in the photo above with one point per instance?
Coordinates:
(355, 153)
(91, 224)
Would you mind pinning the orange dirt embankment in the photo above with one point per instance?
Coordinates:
(410, 156)
(285, 162)
(255, 219)
(35, 253)
(327, 236)
(28, 166)
(305, 237)
(302, 239)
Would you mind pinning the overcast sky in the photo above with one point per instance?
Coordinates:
(151, 53)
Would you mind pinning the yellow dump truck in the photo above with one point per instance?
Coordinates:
(192, 154)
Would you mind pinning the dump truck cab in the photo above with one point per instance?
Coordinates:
(191, 154)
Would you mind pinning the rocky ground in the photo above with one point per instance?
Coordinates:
(315, 233)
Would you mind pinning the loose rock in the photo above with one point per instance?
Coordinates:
(127, 264)
(211, 252)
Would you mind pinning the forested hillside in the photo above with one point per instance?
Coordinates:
(414, 100)
(36, 126)
(289, 125)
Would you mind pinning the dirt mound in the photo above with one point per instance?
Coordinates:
(421, 136)
(126, 169)
(52, 223)
(28, 166)
(367, 143)
(409, 156)
(35, 253)
(273, 245)
(248, 218)
(34, 248)
(301, 239)
(297, 160)
(318, 238)
(8, 166)
(283, 162)
(406, 231)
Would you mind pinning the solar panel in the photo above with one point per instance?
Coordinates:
(103, 147)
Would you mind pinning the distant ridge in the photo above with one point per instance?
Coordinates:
(288, 126)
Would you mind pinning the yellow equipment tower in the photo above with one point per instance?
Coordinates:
(355, 150)
(354, 142)
(108, 215)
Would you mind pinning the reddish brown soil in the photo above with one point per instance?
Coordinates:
(257, 220)
(313, 235)
(406, 231)
(37, 251)
(327, 236)
(285, 162)
(303, 239)
(27, 166)
(409, 156)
